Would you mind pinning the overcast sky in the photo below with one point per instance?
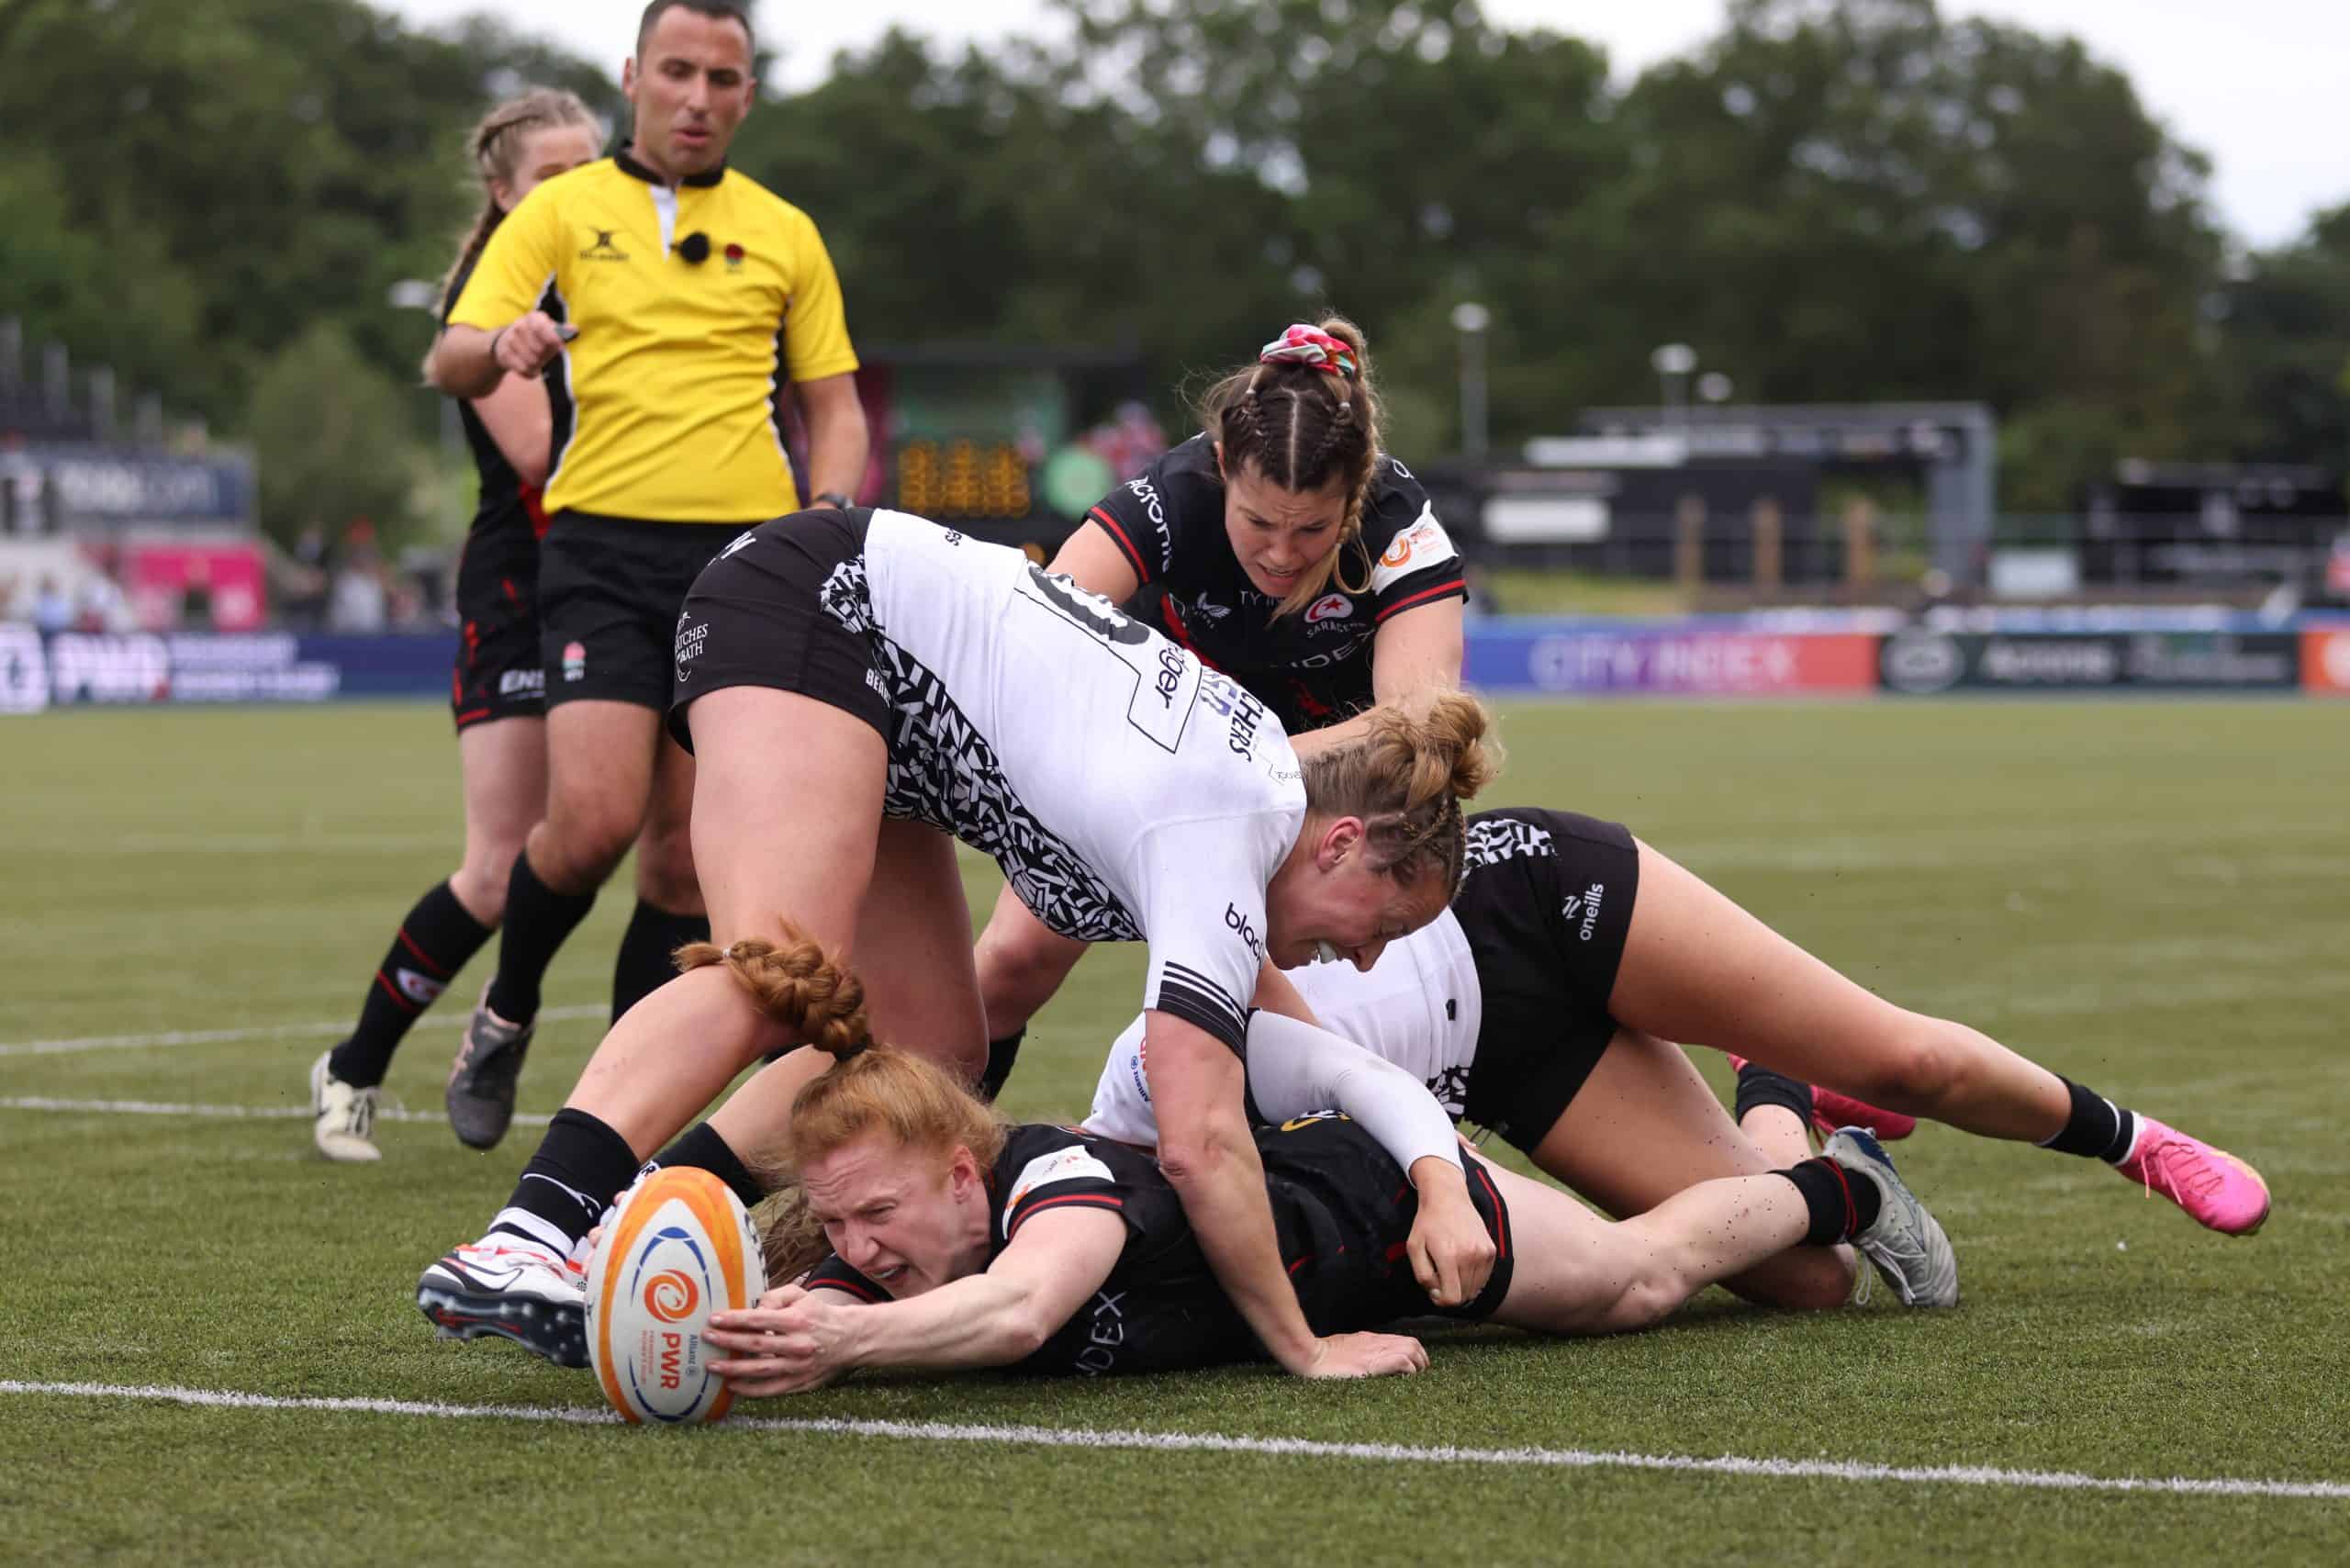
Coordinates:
(2255, 84)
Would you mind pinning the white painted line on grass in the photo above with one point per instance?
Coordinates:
(225, 1112)
(1210, 1443)
(256, 1032)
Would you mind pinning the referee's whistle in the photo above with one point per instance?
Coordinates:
(565, 330)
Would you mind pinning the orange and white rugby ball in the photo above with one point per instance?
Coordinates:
(679, 1247)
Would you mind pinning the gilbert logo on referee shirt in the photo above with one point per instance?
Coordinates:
(601, 246)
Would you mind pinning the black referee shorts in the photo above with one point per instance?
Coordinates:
(609, 592)
(1545, 915)
(787, 609)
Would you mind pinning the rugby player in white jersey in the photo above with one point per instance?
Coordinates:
(857, 686)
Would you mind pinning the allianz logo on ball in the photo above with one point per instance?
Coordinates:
(679, 1247)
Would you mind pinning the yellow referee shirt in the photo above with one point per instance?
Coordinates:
(671, 414)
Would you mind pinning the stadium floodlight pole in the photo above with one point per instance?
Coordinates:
(1673, 362)
(1471, 320)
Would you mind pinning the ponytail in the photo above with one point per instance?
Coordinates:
(1420, 757)
(798, 985)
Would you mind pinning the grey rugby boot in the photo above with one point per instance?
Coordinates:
(481, 1082)
(1907, 1244)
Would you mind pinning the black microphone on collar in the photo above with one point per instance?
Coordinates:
(694, 249)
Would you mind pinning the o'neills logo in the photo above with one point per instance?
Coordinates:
(1328, 606)
(1585, 905)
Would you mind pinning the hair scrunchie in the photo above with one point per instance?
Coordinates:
(1303, 344)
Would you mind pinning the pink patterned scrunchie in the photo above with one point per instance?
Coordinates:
(1303, 345)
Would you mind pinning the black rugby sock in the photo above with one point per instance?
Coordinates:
(701, 1147)
(2098, 1127)
(643, 964)
(1842, 1202)
(433, 942)
(580, 1167)
(537, 920)
(1758, 1086)
(1001, 1055)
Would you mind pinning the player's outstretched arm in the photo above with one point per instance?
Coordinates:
(1204, 1148)
(796, 1339)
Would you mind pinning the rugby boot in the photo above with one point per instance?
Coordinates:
(2219, 1190)
(1905, 1243)
(480, 1096)
(504, 1286)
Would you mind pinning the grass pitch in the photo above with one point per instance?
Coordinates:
(2150, 897)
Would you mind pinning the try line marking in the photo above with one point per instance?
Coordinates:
(1210, 1443)
(223, 1113)
(255, 1032)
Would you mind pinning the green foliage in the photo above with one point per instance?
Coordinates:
(325, 426)
(118, 300)
(1832, 200)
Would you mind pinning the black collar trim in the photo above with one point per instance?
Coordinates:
(629, 165)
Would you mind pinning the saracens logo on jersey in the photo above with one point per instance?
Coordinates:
(1329, 607)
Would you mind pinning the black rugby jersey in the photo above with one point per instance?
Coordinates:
(1342, 1211)
(500, 507)
(1313, 668)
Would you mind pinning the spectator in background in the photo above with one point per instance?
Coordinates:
(196, 596)
(680, 277)
(357, 603)
(307, 579)
(1128, 441)
(52, 612)
(99, 604)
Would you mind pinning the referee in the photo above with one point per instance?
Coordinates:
(693, 294)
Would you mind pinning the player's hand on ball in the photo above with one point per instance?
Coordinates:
(527, 344)
(793, 1341)
(1367, 1355)
(1452, 1256)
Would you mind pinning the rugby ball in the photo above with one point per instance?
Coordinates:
(680, 1247)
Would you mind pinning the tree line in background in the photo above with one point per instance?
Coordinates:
(1833, 201)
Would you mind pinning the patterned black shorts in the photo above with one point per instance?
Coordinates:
(1546, 907)
(784, 607)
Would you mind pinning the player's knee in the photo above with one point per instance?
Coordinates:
(1919, 1071)
(1649, 1297)
(480, 882)
(664, 872)
(584, 841)
(1014, 967)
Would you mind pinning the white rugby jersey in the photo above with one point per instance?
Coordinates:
(1419, 1007)
(1127, 792)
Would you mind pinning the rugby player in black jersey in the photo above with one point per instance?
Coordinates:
(860, 688)
(941, 1237)
(1283, 547)
(498, 689)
